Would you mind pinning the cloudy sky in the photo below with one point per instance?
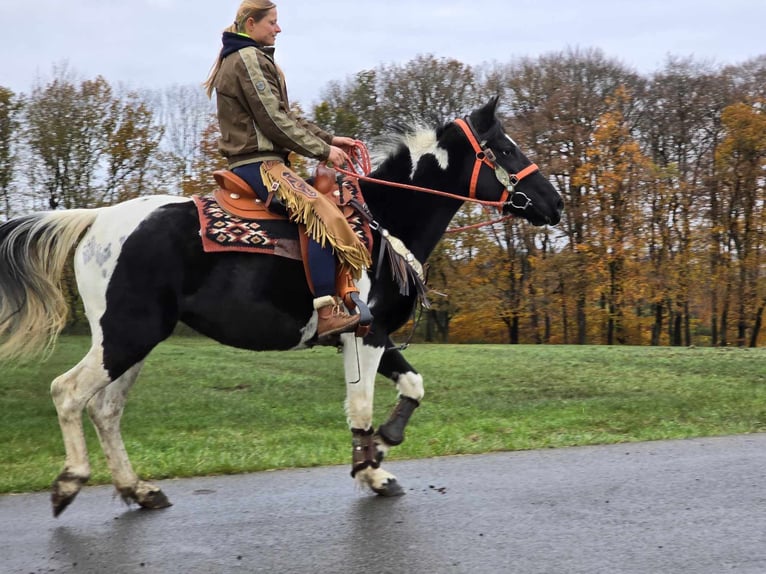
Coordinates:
(157, 43)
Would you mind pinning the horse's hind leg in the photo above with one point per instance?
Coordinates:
(105, 409)
(70, 392)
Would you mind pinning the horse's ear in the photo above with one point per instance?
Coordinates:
(492, 104)
(484, 117)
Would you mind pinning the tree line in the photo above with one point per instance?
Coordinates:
(663, 178)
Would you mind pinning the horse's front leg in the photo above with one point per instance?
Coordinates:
(409, 383)
(361, 364)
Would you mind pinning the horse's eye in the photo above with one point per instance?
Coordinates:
(506, 152)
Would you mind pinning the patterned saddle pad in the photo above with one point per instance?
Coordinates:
(221, 231)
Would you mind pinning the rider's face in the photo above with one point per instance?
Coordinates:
(265, 30)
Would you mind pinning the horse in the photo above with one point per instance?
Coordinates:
(140, 269)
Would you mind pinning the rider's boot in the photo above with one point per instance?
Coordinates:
(333, 318)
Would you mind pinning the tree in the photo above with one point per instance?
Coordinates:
(679, 131)
(351, 108)
(208, 159)
(132, 140)
(426, 89)
(10, 109)
(556, 102)
(616, 171)
(741, 159)
(185, 113)
(87, 147)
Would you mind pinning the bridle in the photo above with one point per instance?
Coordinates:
(360, 164)
(485, 156)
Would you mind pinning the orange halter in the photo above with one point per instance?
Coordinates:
(485, 155)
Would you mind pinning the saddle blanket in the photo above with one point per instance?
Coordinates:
(221, 231)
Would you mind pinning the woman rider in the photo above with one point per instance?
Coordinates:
(257, 126)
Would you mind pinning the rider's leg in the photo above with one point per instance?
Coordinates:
(251, 173)
(333, 318)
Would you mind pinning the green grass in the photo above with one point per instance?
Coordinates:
(201, 408)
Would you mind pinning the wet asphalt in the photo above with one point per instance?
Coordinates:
(691, 506)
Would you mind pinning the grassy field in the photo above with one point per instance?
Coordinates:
(201, 408)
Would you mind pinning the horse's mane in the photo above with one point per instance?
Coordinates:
(415, 136)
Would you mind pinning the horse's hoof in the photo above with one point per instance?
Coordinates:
(154, 500)
(64, 490)
(146, 495)
(60, 501)
(389, 489)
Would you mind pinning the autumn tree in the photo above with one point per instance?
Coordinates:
(87, 147)
(426, 90)
(207, 159)
(616, 172)
(679, 131)
(556, 101)
(741, 159)
(132, 140)
(351, 108)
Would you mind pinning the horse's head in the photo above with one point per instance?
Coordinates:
(500, 170)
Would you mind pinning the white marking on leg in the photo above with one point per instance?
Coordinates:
(70, 392)
(410, 384)
(105, 409)
(95, 260)
(374, 478)
(360, 364)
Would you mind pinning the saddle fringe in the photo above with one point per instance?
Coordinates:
(323, 220)
(403, 272)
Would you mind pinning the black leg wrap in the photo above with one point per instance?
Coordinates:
(364, 453)
(392, 431)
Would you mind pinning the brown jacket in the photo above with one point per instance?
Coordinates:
(254, 113)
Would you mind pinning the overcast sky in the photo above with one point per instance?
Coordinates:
(158, 43)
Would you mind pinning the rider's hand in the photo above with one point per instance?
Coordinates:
(343, 141)
(347, 144)
(337, 156)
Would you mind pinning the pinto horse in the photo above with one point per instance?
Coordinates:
(140, 269)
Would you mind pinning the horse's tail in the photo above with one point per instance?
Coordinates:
(34, 250)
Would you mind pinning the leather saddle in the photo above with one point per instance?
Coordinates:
(235, 195)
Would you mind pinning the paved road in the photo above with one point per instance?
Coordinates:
(694, 506)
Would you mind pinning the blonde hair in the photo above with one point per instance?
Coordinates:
(255, 9)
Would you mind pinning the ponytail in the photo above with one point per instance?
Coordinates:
(208, 84)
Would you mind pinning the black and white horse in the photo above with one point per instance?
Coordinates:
(140, 269)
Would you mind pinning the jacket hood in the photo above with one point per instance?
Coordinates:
(233, 42)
